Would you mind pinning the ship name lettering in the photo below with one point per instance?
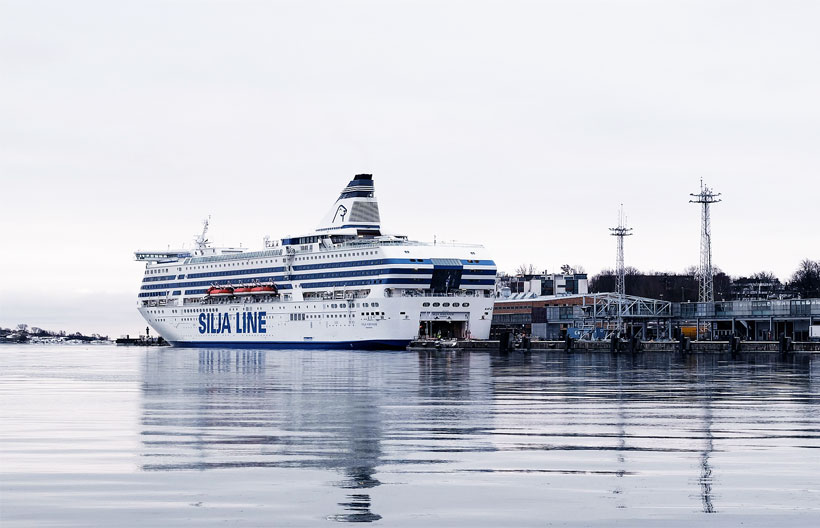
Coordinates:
(220, 323)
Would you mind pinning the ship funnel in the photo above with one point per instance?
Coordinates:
(355, 211)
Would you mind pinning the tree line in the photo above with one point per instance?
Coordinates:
(23, 333)
(804, 283)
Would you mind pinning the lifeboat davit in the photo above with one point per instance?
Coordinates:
(263, 290)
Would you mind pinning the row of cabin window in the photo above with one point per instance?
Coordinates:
(232, 264)
(354, 254)
(302, 317)
(313, 257)
(231, 272)
(445, 305)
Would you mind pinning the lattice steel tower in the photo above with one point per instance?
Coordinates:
(706, 288)
(620, 270)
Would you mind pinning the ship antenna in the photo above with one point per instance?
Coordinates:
(202, 241)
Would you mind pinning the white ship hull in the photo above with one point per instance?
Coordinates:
(393, 324)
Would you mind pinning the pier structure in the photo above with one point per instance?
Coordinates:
(756, 320)
(590, 316)
(598, 316)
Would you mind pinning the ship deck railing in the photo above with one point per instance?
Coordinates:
(466, 293)
(377, 243)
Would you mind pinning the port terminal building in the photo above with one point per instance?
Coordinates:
(545, 284)
(600, 315)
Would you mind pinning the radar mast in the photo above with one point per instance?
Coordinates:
(202, 241)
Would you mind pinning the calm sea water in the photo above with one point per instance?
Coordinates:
(164, 437)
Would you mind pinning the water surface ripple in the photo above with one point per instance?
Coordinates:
(126, 436)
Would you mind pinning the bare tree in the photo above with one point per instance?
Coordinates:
(525, 269)
(764, 276)
(806, 280)
(566, 269)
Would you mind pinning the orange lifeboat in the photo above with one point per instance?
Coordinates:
(242, 290)
(218, 291)
(263, 290)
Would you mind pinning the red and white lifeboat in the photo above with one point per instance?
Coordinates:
(220, 291)
(242, 290)
(263, 290)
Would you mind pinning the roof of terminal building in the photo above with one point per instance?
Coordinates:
(530, 297)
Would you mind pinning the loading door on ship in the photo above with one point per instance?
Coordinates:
(449, 324)
(443, 329)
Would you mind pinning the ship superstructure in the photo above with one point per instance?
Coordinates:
(346, 284)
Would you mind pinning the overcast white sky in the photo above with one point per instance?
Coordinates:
(519, 125)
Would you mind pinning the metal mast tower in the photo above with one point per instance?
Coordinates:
(620, 270)
(706, 288)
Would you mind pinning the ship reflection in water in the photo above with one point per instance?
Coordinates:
(243, 411)
(449, 435)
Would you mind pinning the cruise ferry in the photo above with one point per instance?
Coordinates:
(344, 285)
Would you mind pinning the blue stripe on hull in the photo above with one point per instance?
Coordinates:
(396, 344)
